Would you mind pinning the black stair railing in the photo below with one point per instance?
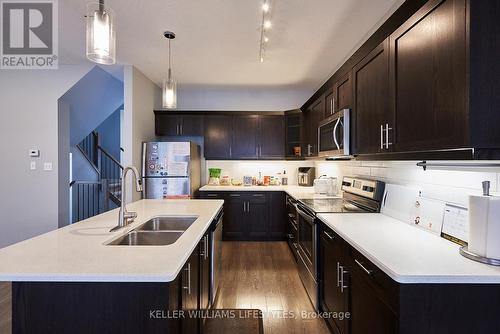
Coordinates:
(92, 198)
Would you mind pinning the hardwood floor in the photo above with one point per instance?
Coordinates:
(5, 308)
(263, 275)
(255, 275)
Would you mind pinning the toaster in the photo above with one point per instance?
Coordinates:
(325, 185)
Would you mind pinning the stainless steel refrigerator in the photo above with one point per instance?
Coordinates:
(170, 169)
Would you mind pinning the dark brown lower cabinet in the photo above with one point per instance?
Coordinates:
(277, 215)
(251, 215)
(116, 307)
(334, 295)
(205, 272)
(377, 304)
(190, 293)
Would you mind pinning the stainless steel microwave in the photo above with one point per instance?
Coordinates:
(334, 136)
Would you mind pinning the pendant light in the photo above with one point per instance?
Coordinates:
(101, 39)
(169, 89)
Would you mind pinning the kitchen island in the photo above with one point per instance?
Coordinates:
(71, 280)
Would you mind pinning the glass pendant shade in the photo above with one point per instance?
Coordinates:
(101, 39)
(169, 93)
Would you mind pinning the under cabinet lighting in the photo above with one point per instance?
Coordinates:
(265, 7)
(267, 24)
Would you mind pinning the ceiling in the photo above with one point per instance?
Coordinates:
(217, 45)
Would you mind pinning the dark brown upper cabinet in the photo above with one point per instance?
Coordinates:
(272, 137)
(372, 115)
(218, 131)
(424, 85)
(429, 79)
(167, 125)
(312, 116)
(191, 125)
(343, 91)
(245, 138)
(330, 103)
(179, 125)
(294, 131)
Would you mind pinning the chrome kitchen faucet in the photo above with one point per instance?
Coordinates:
(125, 217)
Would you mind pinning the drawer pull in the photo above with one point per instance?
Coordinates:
(367, 271)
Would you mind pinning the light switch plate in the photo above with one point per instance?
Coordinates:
(47, 166)
(34, 153)
(33, 165)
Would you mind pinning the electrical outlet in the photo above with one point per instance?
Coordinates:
(47, 166)
(33, 165)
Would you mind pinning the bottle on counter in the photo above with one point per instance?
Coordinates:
(284, 179)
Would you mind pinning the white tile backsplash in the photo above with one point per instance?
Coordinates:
(451, 185)
(238, 168)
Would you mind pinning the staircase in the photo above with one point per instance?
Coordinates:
(92, 198)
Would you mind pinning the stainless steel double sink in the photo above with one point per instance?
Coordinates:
(158, 231)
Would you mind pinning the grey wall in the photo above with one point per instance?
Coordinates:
(92, 99)
(29, 119)
(141, 97)
(109, 134)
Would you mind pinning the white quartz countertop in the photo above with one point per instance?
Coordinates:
(297, 192)
(78, 252)
(406, 253)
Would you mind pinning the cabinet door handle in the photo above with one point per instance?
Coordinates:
(248, 206)
(181, 131)
(188, 287)
(211, 195)
(230, 151)
(381, 137)
(328, 235)
(206, 247)
(331, 106)
(387, 143)
(257, 151)
(367, 271)
(234, 195)
(260, 151)
(338, 274)
(341, 283)
(244, 206)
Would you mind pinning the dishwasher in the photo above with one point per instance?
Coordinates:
(216, 258)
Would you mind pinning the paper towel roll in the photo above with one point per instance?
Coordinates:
(478, 224)
(493, 232)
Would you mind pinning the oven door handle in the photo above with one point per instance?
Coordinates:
(305, 215)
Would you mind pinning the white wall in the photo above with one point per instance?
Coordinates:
(240, 168)
(238, 98)
(141, 97)
(451, 185)
(29, 119)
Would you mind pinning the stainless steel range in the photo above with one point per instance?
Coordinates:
(359, 196)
